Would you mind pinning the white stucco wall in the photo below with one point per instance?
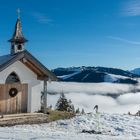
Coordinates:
(26, 76)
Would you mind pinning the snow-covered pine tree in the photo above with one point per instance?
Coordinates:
(63, 104)
(83, 111)
(77, 111)
(71, 107)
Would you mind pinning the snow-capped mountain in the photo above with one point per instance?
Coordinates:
(96, 75)
(136, 71)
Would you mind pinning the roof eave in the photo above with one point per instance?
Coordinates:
(21, 40)
(47, 73)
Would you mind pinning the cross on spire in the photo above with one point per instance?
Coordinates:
(18, 13)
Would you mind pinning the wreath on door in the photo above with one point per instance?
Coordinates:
(13, 92)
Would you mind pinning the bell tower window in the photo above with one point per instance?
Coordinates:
(19, 47)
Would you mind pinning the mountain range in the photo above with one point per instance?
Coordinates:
(97, 75)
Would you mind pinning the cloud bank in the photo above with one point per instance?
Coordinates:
(89, 88)
(87, 95)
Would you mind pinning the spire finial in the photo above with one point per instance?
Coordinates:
(18, 13)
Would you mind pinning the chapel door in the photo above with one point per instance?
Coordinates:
(13, 95)
(16, 98)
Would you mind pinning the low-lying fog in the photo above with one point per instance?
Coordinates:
(111, 98)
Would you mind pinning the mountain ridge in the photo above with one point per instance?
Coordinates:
(96, 75)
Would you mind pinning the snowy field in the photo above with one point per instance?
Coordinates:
(87, 95)
(114, 127)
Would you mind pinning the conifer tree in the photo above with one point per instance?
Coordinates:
(82, 112)
(71, 107)
(77, 111)
(62, 103)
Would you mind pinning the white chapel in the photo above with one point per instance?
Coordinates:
(21, 77)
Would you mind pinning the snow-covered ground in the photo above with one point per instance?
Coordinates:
(87, 95)
(113, 127)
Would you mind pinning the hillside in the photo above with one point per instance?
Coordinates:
(112, 126)
(96, 75)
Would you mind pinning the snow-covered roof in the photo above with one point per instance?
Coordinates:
(5, 58)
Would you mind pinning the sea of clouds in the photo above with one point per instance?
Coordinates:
(87, 95)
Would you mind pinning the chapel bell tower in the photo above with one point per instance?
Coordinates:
(18, 40)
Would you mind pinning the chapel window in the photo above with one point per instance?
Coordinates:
(13, 78)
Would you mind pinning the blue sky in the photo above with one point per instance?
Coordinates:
(64, 33)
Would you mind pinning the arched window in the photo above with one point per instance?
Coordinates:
(19, 47)
(12, 78)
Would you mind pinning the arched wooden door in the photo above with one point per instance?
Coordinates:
(16, 102)
(11, 103)
(13, 95)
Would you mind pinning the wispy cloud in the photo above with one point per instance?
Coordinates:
(42, 18)
(131, 8)
(124, 40)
